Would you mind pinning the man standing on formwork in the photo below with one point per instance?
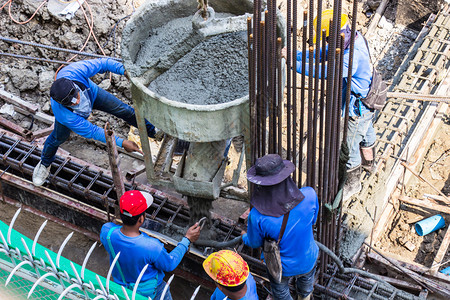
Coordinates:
(282, 212)
(361, 134)
(138, 250)
(73, 97)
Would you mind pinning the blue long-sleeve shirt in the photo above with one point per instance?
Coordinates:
(361, 74)
(136, 252)
(298, 250)
(81, 71)
(251, 294)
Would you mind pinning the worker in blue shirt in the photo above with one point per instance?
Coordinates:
(137, 249)
(73, 97)
(361, 134)
(275, 195)
(231, 275)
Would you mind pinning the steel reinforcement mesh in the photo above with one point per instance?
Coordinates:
(19, 287)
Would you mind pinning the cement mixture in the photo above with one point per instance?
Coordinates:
(215, 71)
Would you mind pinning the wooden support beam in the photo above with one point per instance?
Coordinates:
(47, 119)
(424, 271)
(400, 283)
(25, 133)
(42, 132)
(422, 137)
(426, 204)
(10, 98)
(446, 199)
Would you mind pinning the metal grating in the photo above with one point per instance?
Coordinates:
(19, 287)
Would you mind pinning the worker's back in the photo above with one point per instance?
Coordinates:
(135, 253)
(298, 249)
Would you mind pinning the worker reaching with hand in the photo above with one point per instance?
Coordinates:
(137, 249)
(232, 276)
(73, 97)
(361, 134)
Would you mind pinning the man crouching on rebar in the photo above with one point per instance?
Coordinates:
(138, 250)
(284, 215)
(73, 97)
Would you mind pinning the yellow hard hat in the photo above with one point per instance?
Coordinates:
(327, 15)
(226, 267)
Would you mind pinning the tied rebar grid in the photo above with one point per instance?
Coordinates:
(418, 74)
(312, 106)
(353, 286)
(96, 189)
(18, 157)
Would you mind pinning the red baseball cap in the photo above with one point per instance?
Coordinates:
(133, 203)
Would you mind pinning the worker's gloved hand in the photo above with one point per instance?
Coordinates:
(131, 146)
(193, 232)
(126, 75)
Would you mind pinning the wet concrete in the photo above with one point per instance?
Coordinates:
(215, 71)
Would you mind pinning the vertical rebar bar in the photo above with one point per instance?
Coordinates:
(294, 85)
(289, 63)
(270, 72)
(279, 99)
(321, 148)
(317, 76)
(274, 59)
(350, 69)
(310, 180)
(251, 91)
(263, 112)
(302, 97)
(334, 145)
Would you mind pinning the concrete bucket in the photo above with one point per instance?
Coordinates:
(189, 76)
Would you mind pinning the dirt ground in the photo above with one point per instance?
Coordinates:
(435, 169)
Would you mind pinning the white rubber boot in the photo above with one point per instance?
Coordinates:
(40, 174)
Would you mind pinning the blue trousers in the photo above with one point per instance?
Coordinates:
(360, 132)
(105, 102)
(304, 285)
(159, 291)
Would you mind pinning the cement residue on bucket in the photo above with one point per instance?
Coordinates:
(213, 72)
(159, 49)
(168, 43)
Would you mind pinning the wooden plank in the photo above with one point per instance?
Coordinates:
(42, 132)
(419, 144)
(25, 133)
(424, 271)
(400, 283)
(446, 199)
(28, 106)
(47, 119)
(426, 204)
(441, 252)
(434, 197)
